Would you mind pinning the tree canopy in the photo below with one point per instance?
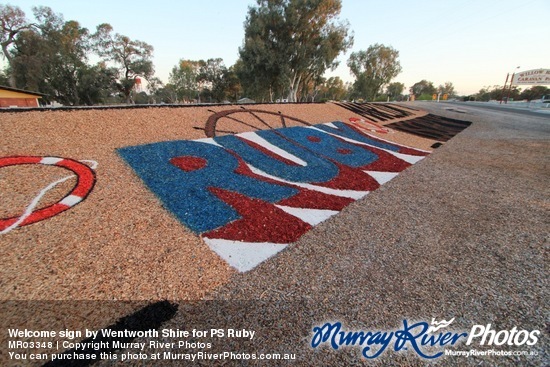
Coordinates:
(423, 87)
(395, 90)
(496, 92)
(132, 58)
(210, 80)
(448, 88)
(12, 22)
(184, 79)
(290, 43)
(52, 57)
(288, 47)
(373, 68)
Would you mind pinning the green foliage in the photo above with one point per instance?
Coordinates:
(423, 87)
(258, 85)
(395, 90)
(51, 57)
(12, 23)
(289, 44)
(211, 79)
(166, 94)
(205, 81)
(4, 80)
(372, 69)
(425, 97)
(332, 89)
(29, 57)
(497, 93)
(448, 89)
(534, 93)
(131, 57)
(229, 86)
(184, 79)
(96, 84)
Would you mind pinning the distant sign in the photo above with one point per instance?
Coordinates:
(532, 77)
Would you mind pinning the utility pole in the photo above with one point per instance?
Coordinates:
(510, 89)
(503, 88)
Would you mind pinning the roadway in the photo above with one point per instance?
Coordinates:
(545, 113)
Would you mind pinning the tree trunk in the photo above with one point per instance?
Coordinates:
(293, 88)
(11, 78)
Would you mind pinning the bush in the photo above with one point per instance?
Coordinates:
(424, 97)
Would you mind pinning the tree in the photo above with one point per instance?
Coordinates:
(216, 81)
(154, 85)
(28, 56)
(395, 90)
(373, 68)
(64, 55)
(535, 92)
(423, 87)
(50, 57)
(184, 79)
(311, 90)
(496, 93)
(230, 85)
(448, 89)
(4, 80)
(257, 81)
(334, 89)
(289, 43)
(12, 22)
(166, 94)
(210, 78)
(133, 58)
(96, 84)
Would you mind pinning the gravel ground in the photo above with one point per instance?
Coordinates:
(119, 243)
(463, 233)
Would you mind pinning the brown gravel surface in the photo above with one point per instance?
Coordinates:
(119, 243)
(461, 234)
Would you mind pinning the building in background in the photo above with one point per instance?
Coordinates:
(12, 97)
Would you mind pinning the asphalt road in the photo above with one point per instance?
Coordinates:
(500, 108)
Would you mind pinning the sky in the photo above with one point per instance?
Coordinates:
(470, 43)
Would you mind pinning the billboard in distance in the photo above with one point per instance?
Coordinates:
(532, 77)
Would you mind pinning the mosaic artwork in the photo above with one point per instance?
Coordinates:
(377, 112)
(249, 195)
(431, 127)
(251, 118)
(85, 180)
